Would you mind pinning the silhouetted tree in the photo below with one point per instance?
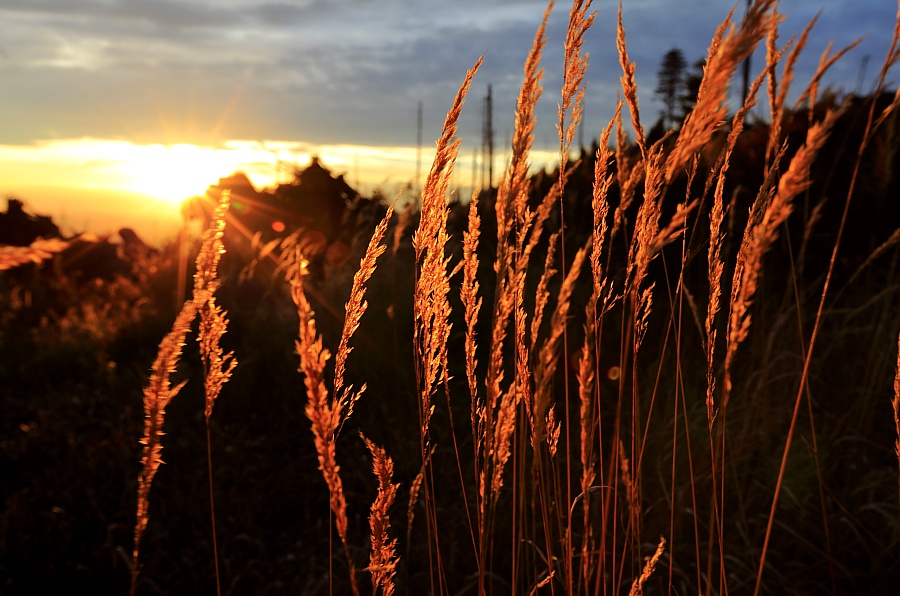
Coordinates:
(20, 228)
(671, 82)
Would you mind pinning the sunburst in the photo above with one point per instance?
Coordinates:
(178, 172)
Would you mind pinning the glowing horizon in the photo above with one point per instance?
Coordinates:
(110, 183)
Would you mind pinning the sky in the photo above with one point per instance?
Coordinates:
(112, 111)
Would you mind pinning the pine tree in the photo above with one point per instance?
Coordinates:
(671, 83)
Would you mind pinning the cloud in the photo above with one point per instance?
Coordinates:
(339, 71)
(158, 13)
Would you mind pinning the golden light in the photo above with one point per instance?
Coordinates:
(170, 173)
(175, 173)
(103, 184)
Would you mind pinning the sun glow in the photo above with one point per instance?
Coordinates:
(103, 184)
(178, 172)
(170, 173)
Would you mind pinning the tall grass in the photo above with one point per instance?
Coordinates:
(590, 490)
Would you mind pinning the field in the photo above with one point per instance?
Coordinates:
(668, 366)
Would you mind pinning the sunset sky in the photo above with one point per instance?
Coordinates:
(113, 110)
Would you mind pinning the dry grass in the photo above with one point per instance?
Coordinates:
(383, 560)
(535, 452)
(726, 52)
(38, 251)
(353, 312)
(324, 415)
(217, 366)
(433, 282)
(637, 588)
(472, 301)
(157, 395)
(629, 89)
(159, 391)
(768, 213)
(896, 404)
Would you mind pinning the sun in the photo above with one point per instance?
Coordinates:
(176, 172)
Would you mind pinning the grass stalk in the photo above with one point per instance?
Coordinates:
(217, 366)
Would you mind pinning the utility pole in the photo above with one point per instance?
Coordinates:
(746, 69)
(581, 136)
(474, 168)
(863, 67)
(418, 151)
(487, 146)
